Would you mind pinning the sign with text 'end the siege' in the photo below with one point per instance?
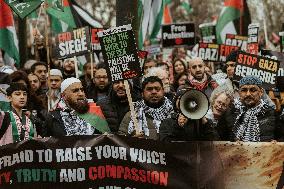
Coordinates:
(178, 35)
(208, 52)
(120, 53)
(73, 43)
(264, 68)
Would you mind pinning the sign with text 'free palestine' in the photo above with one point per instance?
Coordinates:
(120, 53)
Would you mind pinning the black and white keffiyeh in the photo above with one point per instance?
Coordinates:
(246, 126)
(74, 125)
(158, 115)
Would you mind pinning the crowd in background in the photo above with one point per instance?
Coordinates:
(38, 103)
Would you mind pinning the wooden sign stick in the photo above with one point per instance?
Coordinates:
(133, 114)
(76, 67)
(92, 66)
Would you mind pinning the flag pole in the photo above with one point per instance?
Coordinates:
(241, 17)
(47, 50)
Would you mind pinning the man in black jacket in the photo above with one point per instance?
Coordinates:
(71, 115)
(251, 119)
(115, 105)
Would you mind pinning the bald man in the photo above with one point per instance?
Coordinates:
(198, 79)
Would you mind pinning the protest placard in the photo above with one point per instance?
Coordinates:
(23, 8)
(237, 40)
(142, 57)
(73, 43)
(208, 32)
(96, 46)
(253, 30)
(276, 56)
(178, 35)
(264, 68)
(225, 50)
(119, 162)
(208, 52)
(120, 53)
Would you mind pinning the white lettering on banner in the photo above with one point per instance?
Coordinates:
(236, 42)
(175, 28)
(72, 175)
(280, 72)
(73, 154)
(114, 152)
(145, 156)
(72, 47)
(264, 76)
(21, 157)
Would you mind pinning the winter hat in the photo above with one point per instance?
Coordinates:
(250, 80)
(56, 72)
(67, 82)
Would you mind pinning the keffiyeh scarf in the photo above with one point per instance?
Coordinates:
(74, 125)
(158, 115)
(246, 126)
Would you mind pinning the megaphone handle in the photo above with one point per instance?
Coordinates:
(132, 110)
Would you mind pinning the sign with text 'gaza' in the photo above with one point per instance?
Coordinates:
(208, 52)
(120, 53)
(264, 68)
(73, 43)
(178, 35)
(237, 40)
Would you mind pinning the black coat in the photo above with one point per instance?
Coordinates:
(267, 125)
(192, 131)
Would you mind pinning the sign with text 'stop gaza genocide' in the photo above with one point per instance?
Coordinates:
(72, 43)
(120, 53)
(208, 52)
(178, 35)
(264, 68)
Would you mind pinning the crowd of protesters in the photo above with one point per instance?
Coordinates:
(41, 104)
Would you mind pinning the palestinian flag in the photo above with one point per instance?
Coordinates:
(234, 19)
(8, 36)
(150, 14)
(71, 15)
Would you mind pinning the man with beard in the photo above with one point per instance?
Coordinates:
(251, 119)
(40, 69)
(54, 83)
(115, 105)
(198, 79)
(71, 116)
(100, 85)
(151, 110)
(68, 68)
(164, 76)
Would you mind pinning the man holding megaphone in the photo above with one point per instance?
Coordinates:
(192, 119)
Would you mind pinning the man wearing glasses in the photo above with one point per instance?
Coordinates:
(251, 119)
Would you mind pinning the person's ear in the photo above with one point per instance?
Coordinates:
(9, 98)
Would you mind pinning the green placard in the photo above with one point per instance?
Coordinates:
(23, 8)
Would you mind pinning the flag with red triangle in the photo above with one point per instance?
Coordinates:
(8, 36)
